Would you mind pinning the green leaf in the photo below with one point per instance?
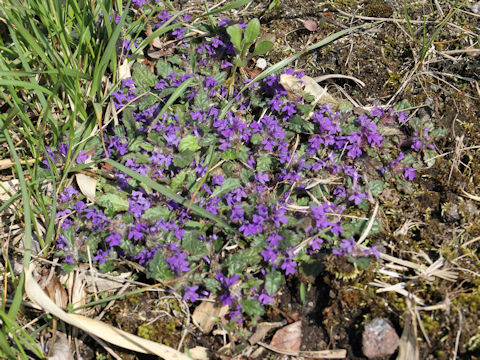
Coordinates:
(272, 282)
(220, 77)
(300, 125)
(238, 261)
(142, 76)
(158, 267)
(179, 179)
(164, 69)
(230, 154)
(193, 245)
(117, 202)
(211, 284)
(376, 187)
(264, 162)
(189, 142)
(130, 124)
(175, 59)
(252, 307)
(256, 139)
(156, 213)
(228, 185)
(202, 100)
(252, 31)
(184, 158)
(356, 227)
(235, 33)
(361, 262)
(263, 45)
(136, 145)
(208, 140)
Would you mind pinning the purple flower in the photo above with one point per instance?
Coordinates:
(128, 82)
(227, 282)
(269, 254)
(275, 103)
(179, 32)
(67, 194)
(50, 156)
(288, 265)
(82, 158)
(113, 239)
(316, 244)
(139, 3)
(237, 213)
(348, 246)
(63, 149)
(357, 197)
(101, 256)
(378, 112)
(226, 298)
(136, 232)
(264, 298)
(289, 108)
(279, 217)
(217, 179)
(191, 293)
(216, 42)
(402, 117)
(210, 82)
(178, 263)
(409, 173)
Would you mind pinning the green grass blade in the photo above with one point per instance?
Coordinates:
(25, 340)
(27, 211)
(175, 95)
(25, 85)
(170, 194)
(107, 56)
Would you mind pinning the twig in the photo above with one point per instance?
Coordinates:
(326, 354)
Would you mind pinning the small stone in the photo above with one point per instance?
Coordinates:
(261, 63)
(379, 339)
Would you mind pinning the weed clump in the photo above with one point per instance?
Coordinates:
(232, 205)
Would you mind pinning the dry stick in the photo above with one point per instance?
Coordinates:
(369, 226)
(326, 354)
(457, 339)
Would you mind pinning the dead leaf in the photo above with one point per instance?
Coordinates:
(199, 353)
(288, 338)
(6, 188)
(207, 313)
(306, 85)
(87, 185)
(124, 70)
(310, 25)
(262, 330)
(61, 348)
(50, 283)
(408, 348)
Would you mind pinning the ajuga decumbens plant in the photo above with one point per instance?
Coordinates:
(219, 188)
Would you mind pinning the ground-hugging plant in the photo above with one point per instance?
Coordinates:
(291, 179)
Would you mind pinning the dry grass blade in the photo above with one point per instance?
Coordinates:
(408, 348)
(97, 328)
(324, 354)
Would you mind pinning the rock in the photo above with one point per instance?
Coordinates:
(379, 339)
